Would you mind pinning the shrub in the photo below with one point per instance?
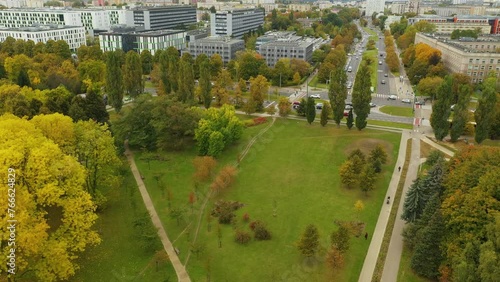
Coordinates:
(242, 237)
(434, 157)
(260, 230)
(259, 120)
(224, 210)
(248, 123)
(246, 217)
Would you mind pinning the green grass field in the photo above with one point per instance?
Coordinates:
(397, 111)
(313, 83)
(121, 255)
(390, 124)
(292, 170)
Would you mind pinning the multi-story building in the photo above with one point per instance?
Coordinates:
(22, 3)
(374, 6)
(235, 23)
(299, 7)
(90, 19)
(165, 17)
(276, 50)
(226, 47)
(486, 24)
(475, 58)
(73, 35)
(128, 39)
(194, 35)
(390, 20)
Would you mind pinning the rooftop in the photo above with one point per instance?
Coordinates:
(445, 38)
(301, 43)
(219, 39)
(37, 28)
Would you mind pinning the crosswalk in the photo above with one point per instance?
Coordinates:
(385, 96)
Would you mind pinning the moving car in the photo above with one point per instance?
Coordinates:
(319, 106)
(372, 105)
(316, 96)
(407, 101)
(383, 82)
(386, 75)
(392, 97)
(420, 103)
(379, 62)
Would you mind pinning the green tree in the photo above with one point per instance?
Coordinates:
(485, 110)
(337, 92)
(309, 242)
(173, 68)
(324, 114)
(146, 62)
(378, 153)
(284, 107)
(114, 80)
(350, 119)
(361, 96)
(95, 108)
(301, 108)
(441, 110)
(368, 178)
(216, 65)
(340, 238)
(348, 175)
(310, 110)
(186, 79)
(205, 84)
(132, 74)
(461, 112)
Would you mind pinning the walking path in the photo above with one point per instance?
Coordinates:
(182, 275)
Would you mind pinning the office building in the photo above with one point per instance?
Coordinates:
(165, 17)
(235, 23)
(276, 50)
(226, 47)
(128, 38)
(486, 24)
(374, 6)
(473, 57)
(73, 35)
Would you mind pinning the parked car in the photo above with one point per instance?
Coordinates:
(372, 105)
(315, 96)
(379, 62)
(420, 103)
(392, 97)
(383, 81)
(386, 75)
(346, 113)
(407, 101)
(319, 106)
(348, 107)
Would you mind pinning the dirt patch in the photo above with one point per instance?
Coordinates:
(368, 144)
(425, 149)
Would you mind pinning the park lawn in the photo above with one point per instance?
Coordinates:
(390, 124)
(405, 272)
(291, 156)
(315, 84)
(121, 255)
(373, 34)
(372, 55)
(397, 111)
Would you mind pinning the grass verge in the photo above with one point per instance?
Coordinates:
(379, 267)
(372, 55)
(390, 124)
(315, 84)
(397, 111)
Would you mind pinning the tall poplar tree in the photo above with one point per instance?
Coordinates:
(114, 80)
(310, 110)
(204, 83)
(164, 87)
(461, 112)
(486, 109)
(441, 110)
(132, 74)
(337, 92)
(361, 95)
(186, 79)
(173, 67)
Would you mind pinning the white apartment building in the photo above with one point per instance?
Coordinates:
(22, 3)
(73, 35)
(299, 7)
(258, 2)
(235, 23)
(374, 6)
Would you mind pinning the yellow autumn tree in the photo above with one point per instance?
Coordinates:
(58, 128)
(53, 212)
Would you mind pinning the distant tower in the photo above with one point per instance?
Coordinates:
(374, 6)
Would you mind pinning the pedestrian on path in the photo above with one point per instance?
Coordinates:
(399, 169)
(366, 236)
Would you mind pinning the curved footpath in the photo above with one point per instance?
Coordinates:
(181, 272)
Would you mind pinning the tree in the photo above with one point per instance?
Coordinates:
(335, 258)
(222, 120)
(301, 108)
(348, 175)
(415, 201)
(310, 110)
(461, 112)
(441, 110)
(296, 78)
(186, 79)
(204, 167)
(173, 68)
(146, 62)
(205, 84)
(324, 114)
(367, 178)
(340, 238)
(114, 80)
(284, 107)
(260, 230)
(56, 212)
(224, 179)
(95, 108)
(259, 87)
(337, 92)
(429, 86)
(216, 65)
(378, 153)
(485, 110)
(132, 74)
(361, 96)
(350, 119)
(309, 242)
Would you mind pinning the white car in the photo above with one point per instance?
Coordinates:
(315, 96)
(392, 97)
(372, 105)
(407, 101)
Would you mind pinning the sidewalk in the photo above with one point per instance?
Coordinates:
(182, 275)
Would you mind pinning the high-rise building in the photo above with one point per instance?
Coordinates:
(235, 23)
(374, 6)
(166, 17)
